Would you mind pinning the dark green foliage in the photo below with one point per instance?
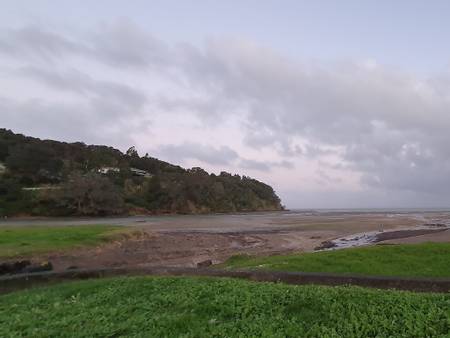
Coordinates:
(73, 186)
(89, 194)
(205, 307)
(156, 197)
(34, 163)
(13, 200)
(132, 152)
(418, 260)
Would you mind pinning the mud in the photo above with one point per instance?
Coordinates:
(177, 249)
(401, 234)
(185, 241)
(436, 237)
(19, 282)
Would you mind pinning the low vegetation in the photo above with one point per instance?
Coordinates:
(22, 241)
(44, 177)
(205, 307)
(418, 260)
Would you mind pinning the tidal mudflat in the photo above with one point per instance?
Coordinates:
(188, 240)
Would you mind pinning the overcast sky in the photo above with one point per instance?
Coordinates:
(333, 103)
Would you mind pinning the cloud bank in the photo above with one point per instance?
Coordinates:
(357, 125)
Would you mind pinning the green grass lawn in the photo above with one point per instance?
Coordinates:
(206, 307)
(420, 260)
(22, 241)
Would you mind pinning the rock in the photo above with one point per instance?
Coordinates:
(204, 264)
(438, 225)
(44, 266)
(24, 266)
(325, 245)
(72, 267)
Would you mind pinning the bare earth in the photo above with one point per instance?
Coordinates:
(188, 240)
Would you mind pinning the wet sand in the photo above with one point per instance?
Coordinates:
(436, 237)
(243, 222)
(404, 234)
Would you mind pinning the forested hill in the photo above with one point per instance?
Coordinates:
(44, 177)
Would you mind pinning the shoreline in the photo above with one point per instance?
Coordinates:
(187, 240)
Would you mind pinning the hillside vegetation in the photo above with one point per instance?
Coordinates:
(418, 260)
(205, 307)
(44, 177)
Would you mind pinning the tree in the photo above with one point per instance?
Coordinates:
(157, 198)
(35, 163)
(132, 152)
(91, 194)
(12, 198)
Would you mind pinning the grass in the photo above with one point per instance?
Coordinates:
(413, 260)
(206, 307)
(23, 241)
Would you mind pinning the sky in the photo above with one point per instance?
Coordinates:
(336, 104)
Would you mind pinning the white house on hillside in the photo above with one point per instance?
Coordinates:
(106, 170)
(139, 172)
(134, 171)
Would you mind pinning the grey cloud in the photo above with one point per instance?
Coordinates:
(324, 178)
(372, 113)
(34, 41)
(122, 43)
(104, 93)
(210, 111)
(222, 155)
(63, 121)
(264, 165)
(375, 198)
(260, 137)
(118, 44)
(255, 165)
(314, 151)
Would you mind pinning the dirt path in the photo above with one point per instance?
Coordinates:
(24, 281)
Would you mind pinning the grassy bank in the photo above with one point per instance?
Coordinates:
(201, 307)
(19, 241)
(418, 260)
